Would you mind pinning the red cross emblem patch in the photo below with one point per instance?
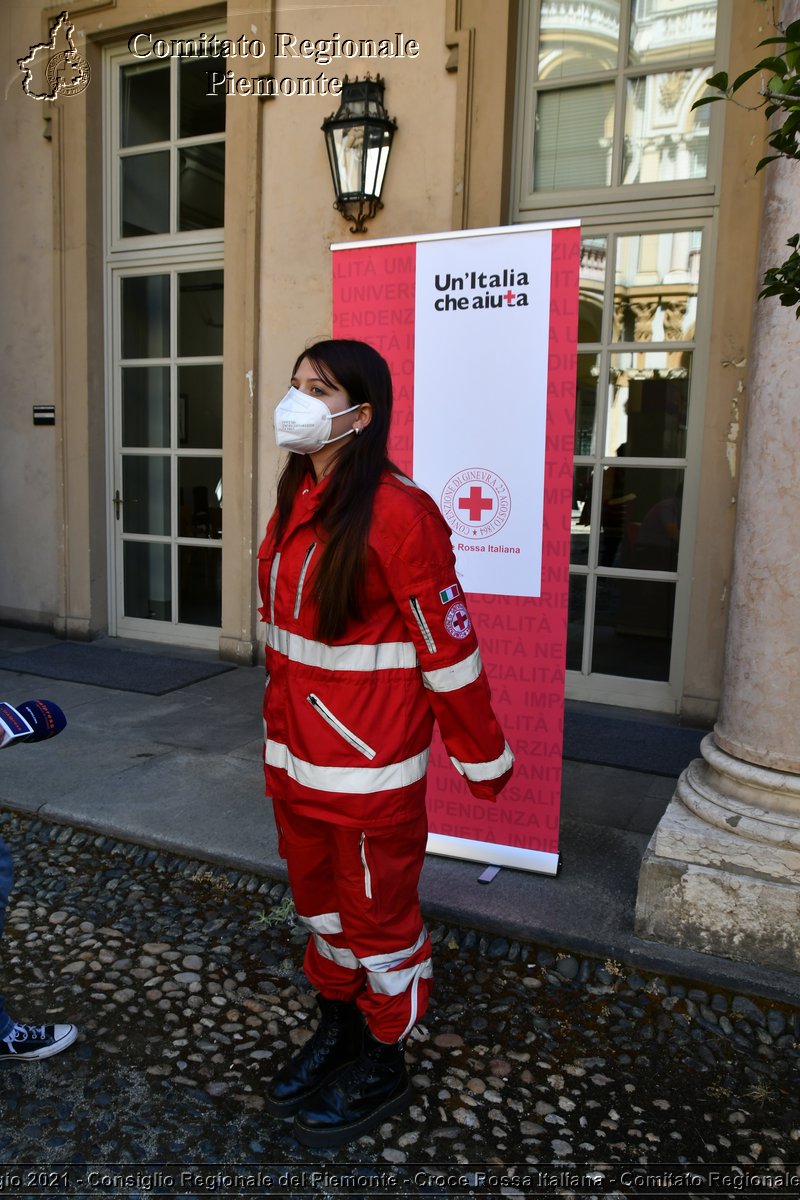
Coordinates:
(456, 620)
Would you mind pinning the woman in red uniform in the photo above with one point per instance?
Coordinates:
(368, 641)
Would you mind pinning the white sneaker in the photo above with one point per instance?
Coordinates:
(36, 1041)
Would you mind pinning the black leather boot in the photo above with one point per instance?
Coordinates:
(359, 1098)
(336, 1042)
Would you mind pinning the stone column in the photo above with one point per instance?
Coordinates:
(722, 872)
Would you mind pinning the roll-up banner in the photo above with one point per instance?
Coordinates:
(480, 330)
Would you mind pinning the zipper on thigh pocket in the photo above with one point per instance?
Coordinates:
(302, 579)
(352, 738)
(424, 629)
(365, 865)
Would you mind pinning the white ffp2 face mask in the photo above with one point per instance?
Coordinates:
(303, 422)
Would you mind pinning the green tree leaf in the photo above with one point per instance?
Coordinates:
(720, 81)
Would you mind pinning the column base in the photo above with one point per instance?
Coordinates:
(721, 874)
(235, 650)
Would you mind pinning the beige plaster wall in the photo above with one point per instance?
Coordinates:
(30, 488)
(298, 220)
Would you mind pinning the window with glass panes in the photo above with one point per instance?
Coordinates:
(605, 124)
(609, 91)
(166, 216)
(170, 149)
(634, 390)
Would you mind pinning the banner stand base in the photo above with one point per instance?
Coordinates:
(494, 855)
(489, 874)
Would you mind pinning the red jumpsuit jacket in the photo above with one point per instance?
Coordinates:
(348, 724)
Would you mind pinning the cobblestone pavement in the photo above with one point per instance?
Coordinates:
(186, 985)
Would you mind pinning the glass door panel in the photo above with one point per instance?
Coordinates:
(632, 633)
(164, 179)
(638, 296)
(145, 316)
(200, 302)
(200, 407)
(148, 581)
(200, 497)
(168, 491)
(146, 491)
(655, 287)
(648, 405)
(581, 526)
(200, 585)
(575, 621)
(145, 406)
(586, 404)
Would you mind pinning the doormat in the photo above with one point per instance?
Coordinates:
(649, 746)
(126, 670)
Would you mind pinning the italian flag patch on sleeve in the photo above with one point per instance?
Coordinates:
(450, 593)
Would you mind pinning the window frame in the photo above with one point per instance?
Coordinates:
(585, 684)
(528, 204)
(172, 254)
(114, 59)
(631, 209)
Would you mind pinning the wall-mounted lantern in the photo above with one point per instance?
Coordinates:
(358, 137)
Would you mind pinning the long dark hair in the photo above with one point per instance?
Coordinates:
(345, 511)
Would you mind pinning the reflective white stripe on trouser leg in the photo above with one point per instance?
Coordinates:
(329, 923)
(379, 963)
(385, 976)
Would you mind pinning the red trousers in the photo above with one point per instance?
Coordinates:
(356, 892)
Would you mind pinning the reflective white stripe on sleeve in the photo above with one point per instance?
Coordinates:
(322, 922)
(361, 657)
(394, 983)
(450, 679)
(385, 962)
(478, 772)
(355, 780)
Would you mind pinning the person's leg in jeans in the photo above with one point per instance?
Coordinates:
(16, 1040)
(6, 881)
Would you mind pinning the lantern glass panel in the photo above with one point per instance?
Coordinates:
(349, 148)
(379, 141)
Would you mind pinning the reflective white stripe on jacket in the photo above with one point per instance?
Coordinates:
(348, 725)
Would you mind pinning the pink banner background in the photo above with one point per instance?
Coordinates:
(523, 640)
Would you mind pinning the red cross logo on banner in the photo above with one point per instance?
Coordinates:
(476, 503)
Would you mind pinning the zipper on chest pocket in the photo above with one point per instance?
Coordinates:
(302, 579)
(424, 629)
(352, 738)
(273, 583)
